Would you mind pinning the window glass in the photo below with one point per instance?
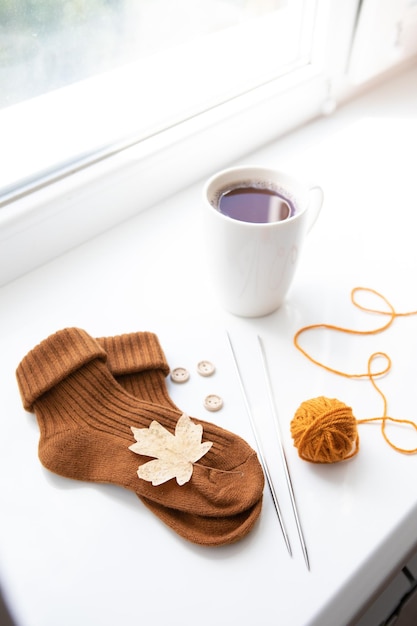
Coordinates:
(47, 44)
(78, 77)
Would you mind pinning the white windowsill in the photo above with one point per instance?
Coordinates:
(148, 273)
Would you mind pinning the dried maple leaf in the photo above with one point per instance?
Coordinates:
(174, 455)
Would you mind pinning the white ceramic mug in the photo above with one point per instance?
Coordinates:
(253, 264)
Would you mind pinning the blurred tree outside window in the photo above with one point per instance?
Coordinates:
(46, 44)
(82, 79)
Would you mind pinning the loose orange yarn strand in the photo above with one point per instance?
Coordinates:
(369, 373)
(386, 417)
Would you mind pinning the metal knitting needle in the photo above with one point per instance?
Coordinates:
(282, 451)
(261, 454)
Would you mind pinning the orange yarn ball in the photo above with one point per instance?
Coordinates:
(325, 431)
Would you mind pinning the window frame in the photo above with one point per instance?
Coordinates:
(45, 222)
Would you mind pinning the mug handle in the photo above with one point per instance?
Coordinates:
(315, 204)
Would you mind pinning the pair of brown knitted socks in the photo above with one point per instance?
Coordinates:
(87, 395)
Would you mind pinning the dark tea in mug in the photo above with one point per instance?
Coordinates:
(256, 204)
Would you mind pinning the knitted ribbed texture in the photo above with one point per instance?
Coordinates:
(134, 352)
(85, 419)
(54, 360)
(138, 363)
(208, 531)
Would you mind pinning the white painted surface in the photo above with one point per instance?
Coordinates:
(75, 553)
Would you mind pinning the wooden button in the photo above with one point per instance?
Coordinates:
(213, 402)
(180, 375)
(205, 368)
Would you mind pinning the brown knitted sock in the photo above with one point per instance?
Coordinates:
(138, 363)
(208, 531)
(85, 420)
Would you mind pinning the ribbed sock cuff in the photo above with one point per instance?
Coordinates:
(53, 360)
(134, 352)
